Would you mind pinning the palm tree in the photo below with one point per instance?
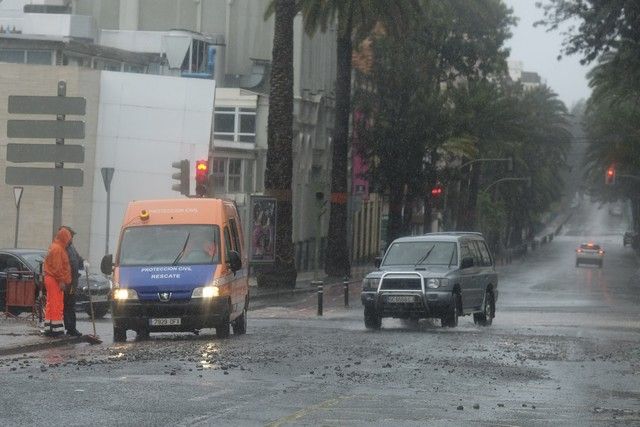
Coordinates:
(279, 169)
(355, 19)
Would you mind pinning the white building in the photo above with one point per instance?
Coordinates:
(192, 44)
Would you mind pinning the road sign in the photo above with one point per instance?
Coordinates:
(61, 129)
(17, 195)
(19, 104)
(23, 153)
(44, 176)
(107, 175)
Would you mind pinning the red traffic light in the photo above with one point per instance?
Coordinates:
(436, 191)
(610, 176)
(201, 171)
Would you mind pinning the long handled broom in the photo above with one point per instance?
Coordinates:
(91, 339)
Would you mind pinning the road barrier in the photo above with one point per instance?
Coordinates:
(21, 292)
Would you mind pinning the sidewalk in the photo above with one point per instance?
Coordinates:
(303, 283)
(22, 335)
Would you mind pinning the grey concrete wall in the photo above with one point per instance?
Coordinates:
(36, 215)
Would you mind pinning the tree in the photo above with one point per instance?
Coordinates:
(411, 109)
(605, 25)
(279, 168)
(355, 19)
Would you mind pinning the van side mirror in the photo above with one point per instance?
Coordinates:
(106, 265)
(377, 261)
(466, 263)
(235, 263)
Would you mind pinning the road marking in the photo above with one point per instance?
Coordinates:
(306, 411)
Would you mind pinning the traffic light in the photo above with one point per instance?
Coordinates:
(436, 191)
(610, 176)
(182, 186)
(202, 177)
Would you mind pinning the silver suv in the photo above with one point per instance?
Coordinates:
(442, 275)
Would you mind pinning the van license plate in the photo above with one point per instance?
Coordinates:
(172, 321)
(401, 299)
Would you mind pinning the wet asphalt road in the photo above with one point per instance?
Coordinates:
(564, 349)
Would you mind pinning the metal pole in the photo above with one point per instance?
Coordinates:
(317, 245)
(320, 295)
(106, 240)
(57, 190)
(346, 293)
(15, 240)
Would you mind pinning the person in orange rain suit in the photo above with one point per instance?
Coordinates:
(57, 274)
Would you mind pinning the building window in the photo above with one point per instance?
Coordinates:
(232, 175)
(41, 57)
(218, 172)
(224, 123)
(13, 56)
(235, 124)
(235, 175)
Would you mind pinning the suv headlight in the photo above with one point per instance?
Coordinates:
(205, 292)
(123, 294)
(370, 284)
(436, 283)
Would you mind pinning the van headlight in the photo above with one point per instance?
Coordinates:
(206, 292)
(123, 294)
(437, 283)
(370, 284)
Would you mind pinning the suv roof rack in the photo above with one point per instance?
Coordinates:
(453, 233)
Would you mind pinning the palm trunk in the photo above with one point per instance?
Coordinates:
(279, 168)
(337, 262)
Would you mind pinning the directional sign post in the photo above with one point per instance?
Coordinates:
(17, 195)
(58, 129)
(107, 175)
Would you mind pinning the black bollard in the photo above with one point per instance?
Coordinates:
(346, 293)
(320, 296)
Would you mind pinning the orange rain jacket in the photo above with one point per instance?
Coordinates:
(56, 263)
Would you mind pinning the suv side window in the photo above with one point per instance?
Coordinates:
(465, 250)
(484, 252)
(477, 258)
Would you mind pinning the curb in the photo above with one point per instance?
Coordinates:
(28, 348)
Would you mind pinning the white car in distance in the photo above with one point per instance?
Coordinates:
(590, 253)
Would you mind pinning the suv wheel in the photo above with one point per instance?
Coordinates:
(450, 319)
(372, 319)
(485, 318)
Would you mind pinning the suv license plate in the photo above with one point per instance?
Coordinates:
(172, 321)
(401, 299)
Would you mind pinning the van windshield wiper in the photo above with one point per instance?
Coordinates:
(184, 248)
(425, 256)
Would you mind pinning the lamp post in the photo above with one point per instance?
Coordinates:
(527, 179)
(321, 210)
(17, 195)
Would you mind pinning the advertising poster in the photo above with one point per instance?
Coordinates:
(263, 229)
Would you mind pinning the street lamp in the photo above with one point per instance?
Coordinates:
(526, 179)
(509, 161)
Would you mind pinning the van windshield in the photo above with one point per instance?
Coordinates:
(421, 253)
(170, 245)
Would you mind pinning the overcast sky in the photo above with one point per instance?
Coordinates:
(538, 50)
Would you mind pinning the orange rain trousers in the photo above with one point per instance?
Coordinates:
(55, 301)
